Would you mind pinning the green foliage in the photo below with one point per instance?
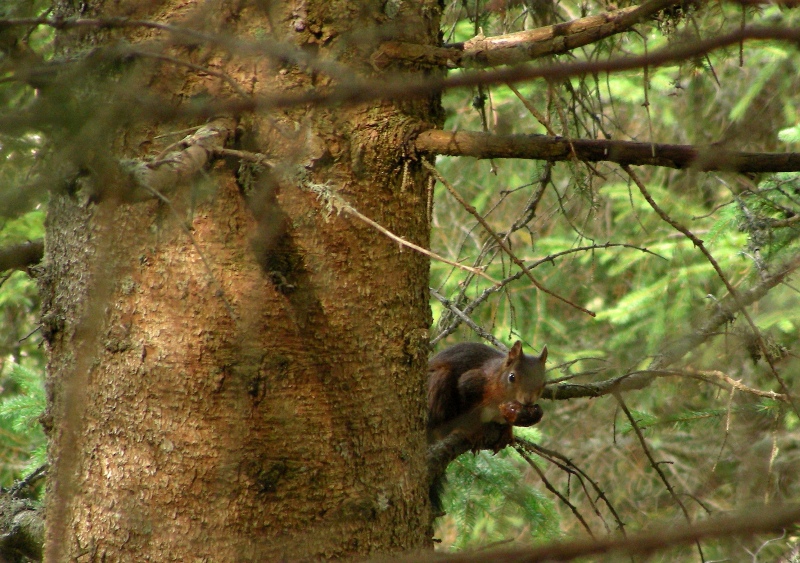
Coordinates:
(687, 420)
(648, 294)
(22, 399)
(19, 296)
(25, 445)
(790, 134)
(491, 498)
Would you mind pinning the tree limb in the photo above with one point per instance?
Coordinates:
(723, 313)
(21, 256)
(761, 520)
(522, 46)
(542, 147)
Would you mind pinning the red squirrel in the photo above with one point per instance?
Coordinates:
(471, 385)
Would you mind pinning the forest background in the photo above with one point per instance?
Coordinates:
(676, 404)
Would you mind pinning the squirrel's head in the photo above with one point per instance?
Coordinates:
(524, 375)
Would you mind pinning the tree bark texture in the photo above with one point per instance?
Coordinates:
(237, 371)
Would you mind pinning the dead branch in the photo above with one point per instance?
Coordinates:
(569, 467)
(463, 317)
(764, 519)
(549, 486)
(337, 202)
(523, 46)
(484, 295)
(719, 378)
(542, 147)
(656, 466)
(163, 174)
(21, 256)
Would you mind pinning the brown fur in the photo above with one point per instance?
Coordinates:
(470, 386)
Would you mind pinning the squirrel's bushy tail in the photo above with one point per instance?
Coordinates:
(435, 492)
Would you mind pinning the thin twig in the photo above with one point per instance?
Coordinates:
(342, 205)
(568, 465)
(550, 258)
(655, 465)
(500, 241)
(555, 491)
(479, 330)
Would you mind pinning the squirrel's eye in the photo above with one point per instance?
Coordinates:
(511, 377)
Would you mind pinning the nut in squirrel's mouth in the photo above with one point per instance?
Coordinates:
(517, 414)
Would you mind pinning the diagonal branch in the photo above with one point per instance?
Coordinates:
(655, 465)
(339, 203)
(542, 147)
(569, 467)
(549, 486)
(732, 292)
(523, 46)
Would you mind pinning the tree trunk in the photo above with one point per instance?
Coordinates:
(237, 373)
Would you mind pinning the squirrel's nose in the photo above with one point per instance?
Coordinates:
(530, 397)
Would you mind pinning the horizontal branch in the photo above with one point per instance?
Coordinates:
(523, 46)
(724, 312)
(359, 91)
(760, 520)
(21, 256)
(542, 147)
(351, 90)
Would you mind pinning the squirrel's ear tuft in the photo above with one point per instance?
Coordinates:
(543, 355)
(515, 352)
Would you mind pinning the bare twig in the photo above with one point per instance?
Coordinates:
(674, 351)
(500, 241)
(715, 375)
(533, 111)
(555, 491)
(550, 258)
(480, 331)
(655, 465)
(339, 203)
(566, 464)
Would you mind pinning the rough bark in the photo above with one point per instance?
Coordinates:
(249, 387)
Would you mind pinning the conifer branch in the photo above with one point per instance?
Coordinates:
(542, 147)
